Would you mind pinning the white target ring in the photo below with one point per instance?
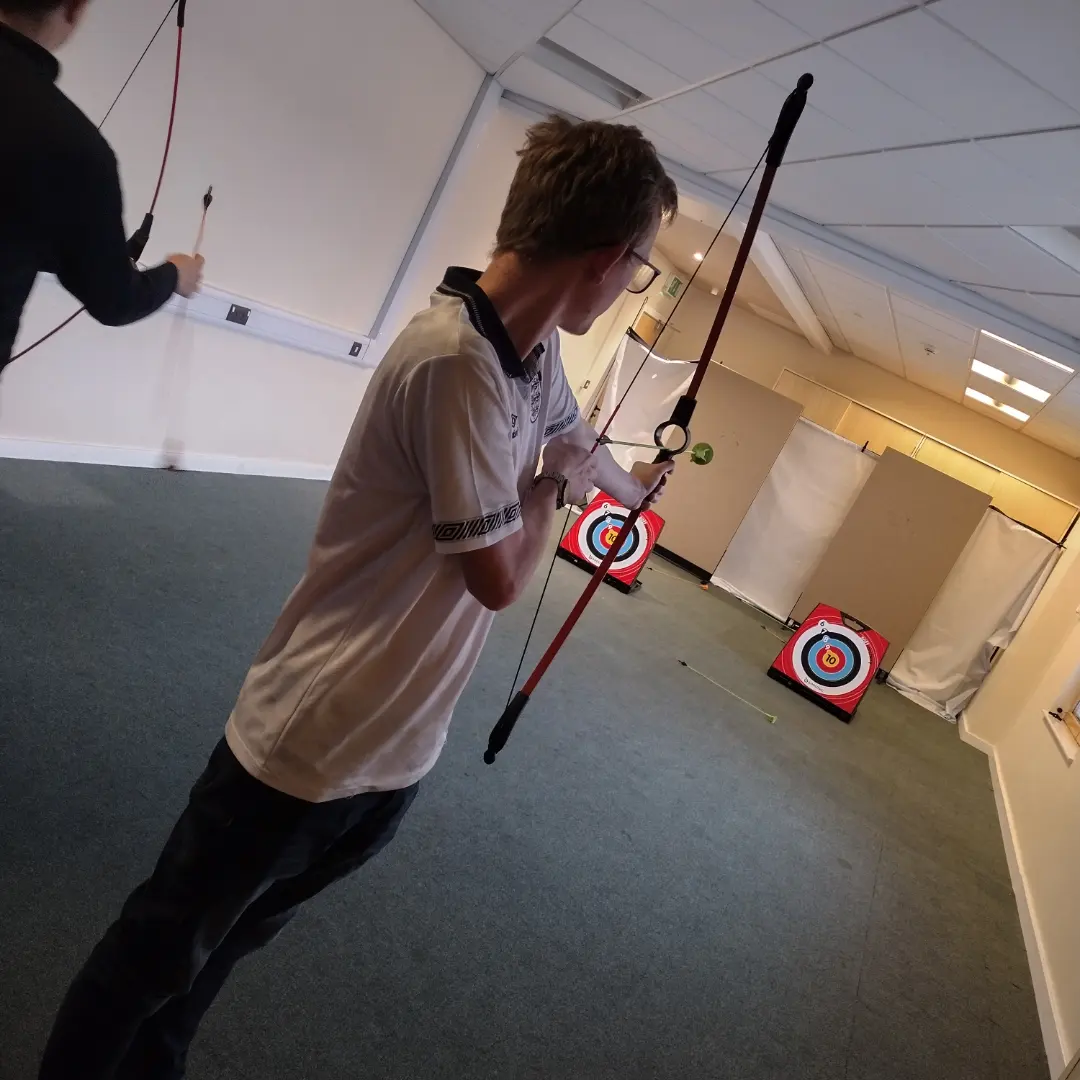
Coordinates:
(830, 659)
(598, 529)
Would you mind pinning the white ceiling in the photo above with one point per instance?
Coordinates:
(943, 133)
(686, 236)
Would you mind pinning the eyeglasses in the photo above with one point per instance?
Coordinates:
(644, 275)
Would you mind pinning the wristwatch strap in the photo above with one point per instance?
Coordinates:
(560, 484)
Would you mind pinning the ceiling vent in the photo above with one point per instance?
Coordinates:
(561, 61)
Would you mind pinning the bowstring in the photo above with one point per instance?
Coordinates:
(614, 412)
(138, 64)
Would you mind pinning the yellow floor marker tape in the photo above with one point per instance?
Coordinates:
(749, 704)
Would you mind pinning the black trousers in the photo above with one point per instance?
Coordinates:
(238, 864)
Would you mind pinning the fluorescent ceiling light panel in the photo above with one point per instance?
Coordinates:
(1020, 348)
(988, 371)
(986, 399)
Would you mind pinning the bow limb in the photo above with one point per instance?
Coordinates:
(681, 415)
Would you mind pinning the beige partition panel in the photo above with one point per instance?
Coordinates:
(895, 548)
(747, 425)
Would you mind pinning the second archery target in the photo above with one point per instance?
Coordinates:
(597, 528)
(831, 659)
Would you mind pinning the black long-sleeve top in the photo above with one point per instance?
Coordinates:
(61, 208)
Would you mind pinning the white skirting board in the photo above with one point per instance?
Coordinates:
(1036, 954)
(141, 458)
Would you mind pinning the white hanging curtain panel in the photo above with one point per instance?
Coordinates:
(649, 402)
(786, 531)
(977, 611)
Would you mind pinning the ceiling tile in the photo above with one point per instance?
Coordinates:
(745, 29)
(1062, 313)
(1011, 260)
(875, 115)
(825, 17)
(692, 138)
(818, 301)
(999, 191)
(950, 358)
(943, 325)
(760, 99)
(526, 77)
(1037, 37)
(491, 31)
(744, 136)
(610, 55)
(1051, 159)
(924, 373)
(919, 246)
(663, 40)
(876, 189)
(666, 146)
(936, 67)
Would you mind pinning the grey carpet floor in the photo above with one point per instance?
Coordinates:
(652, 882)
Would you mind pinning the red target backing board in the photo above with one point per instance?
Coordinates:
(831, 659)
(591, 536)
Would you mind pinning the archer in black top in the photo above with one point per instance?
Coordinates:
(61, 207)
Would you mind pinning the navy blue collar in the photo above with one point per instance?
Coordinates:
(461, 282)
(37, 54)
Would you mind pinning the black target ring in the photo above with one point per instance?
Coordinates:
(830, 659)
(599, 528)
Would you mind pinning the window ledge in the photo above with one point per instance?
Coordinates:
(1064, 738)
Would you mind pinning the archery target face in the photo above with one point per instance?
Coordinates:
(599, 529)
(596, 529)
(830, 659)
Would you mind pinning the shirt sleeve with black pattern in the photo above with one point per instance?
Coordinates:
(458, 421)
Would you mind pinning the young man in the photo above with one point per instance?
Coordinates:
(435, 518)
(61, 209)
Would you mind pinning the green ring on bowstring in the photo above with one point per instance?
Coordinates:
(701, 453)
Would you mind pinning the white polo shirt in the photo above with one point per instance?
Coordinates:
(354, 689)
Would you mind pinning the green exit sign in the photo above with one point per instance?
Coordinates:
(674, 286)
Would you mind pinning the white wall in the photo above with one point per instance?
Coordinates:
(462, 232)
(1039, 796)
(323, 139)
